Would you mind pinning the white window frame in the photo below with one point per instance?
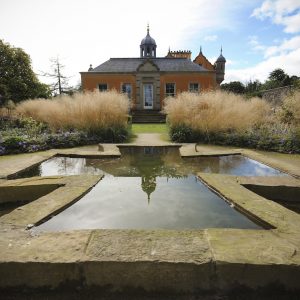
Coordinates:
(128, 95)
(193, 90)
(170, 94)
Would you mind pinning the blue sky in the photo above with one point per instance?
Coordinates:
(257, 36)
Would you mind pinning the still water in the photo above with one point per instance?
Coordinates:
(150, 188)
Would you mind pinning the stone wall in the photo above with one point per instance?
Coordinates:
(275, 96)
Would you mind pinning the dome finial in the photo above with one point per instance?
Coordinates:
(148, 45)
(221, 49)
(200, 50)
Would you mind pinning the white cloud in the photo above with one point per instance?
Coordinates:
(255, 44)
(289, 62)
(285, 47)
(284, 53)
(210, 38)
(281, 12)
(92, 31)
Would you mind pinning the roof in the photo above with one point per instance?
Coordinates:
(164, 64)
(221, 58)
(148, 40)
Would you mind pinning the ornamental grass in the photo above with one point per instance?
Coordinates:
(90, 111)
(215, 111)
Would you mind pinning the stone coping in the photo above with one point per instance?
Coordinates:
(152, 260)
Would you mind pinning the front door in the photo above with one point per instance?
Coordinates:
(148, 95)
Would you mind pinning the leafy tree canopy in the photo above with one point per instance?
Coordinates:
(17, 79)
(234, 87)
(277, 78)
(278, 75)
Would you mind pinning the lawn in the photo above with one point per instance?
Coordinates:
(162, 129)
(150, 128)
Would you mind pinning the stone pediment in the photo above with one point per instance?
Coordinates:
(148, 66)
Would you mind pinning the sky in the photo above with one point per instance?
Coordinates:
(257, 36)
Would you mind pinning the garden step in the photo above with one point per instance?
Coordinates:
(148, 116)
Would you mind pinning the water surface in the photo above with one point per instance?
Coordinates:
(150, 188)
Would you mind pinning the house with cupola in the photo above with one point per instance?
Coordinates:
(148, 79)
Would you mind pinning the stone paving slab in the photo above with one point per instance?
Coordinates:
(187, 246)
(256, 258)
(47, 260)
(155, 260)
(72, 188)
(58, 247)
(12, 164)
(93, 151)
(194, 150)
(249, 246)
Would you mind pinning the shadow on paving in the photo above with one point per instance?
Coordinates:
(270, 293)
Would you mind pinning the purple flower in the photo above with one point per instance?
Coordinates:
(2, 150)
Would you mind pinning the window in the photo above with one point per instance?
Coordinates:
(126, 88)
(170, 89)
(103, 87)
(194, 87)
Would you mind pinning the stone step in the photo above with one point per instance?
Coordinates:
(148, 116)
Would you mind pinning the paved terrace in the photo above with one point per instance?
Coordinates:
(154, 261)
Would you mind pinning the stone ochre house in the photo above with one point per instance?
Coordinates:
(148, 79)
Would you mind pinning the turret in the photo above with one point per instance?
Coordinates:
(148, 46)
(220, 68)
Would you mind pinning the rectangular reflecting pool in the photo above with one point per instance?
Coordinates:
(150, 188)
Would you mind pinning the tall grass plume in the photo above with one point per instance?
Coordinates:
(90, 111)
(215, 111)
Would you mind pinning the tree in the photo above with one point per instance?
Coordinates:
(253, 88)
(60, 82)
(234, 86)
(17, 79)
(277, 78)
(278, 75)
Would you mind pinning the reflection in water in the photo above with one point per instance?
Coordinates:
(176, 203)
(150, 187)
(151, 162)
(231, 164)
